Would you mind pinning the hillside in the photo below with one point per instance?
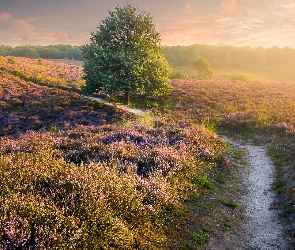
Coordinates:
(79, 174)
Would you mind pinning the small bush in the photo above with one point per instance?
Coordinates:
(178, 75)
(201, 237)
(204, 182)
(1, 58)
(40, 61)
(11, 60)
(240, 78)
(229, 203)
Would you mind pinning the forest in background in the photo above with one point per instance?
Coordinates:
(248, 63)
(60, 51)
(179, 56)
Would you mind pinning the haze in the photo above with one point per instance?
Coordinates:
(217, 22)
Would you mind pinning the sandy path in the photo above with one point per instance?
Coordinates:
(120, 106)
(263, 229)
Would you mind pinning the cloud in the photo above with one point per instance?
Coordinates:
(188, 9)
(5, 16)
(229, 5)
(22, 31)
(61, 37)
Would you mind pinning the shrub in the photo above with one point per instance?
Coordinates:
(52, 204)
(201, 237)
(11, 60)
(40, 61)
(204, 182)
(178, 75)
(240, 78)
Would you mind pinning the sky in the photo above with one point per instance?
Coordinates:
(180, 22)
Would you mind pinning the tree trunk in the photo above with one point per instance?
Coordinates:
(127, 98)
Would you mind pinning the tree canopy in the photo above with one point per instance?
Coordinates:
(203, 67)
(125, 55)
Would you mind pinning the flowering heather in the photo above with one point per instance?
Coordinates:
(73, 189)
(27, 106)
(73, 176)
(264, 110)
(238, 105)
(49, 73)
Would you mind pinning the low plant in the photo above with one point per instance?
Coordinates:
(201, 237)
(229, 203)
(240, 78)
(11, 60)
(40, 61)
(204, 182)
(178, 75)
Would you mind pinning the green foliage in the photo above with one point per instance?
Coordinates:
(40, 61)
(11, 60)
(225, 224)
(124, 55)
(201, 237)
(204, 182)
(59, 51)
(287, 210)
(203, 67)
(178, 75)
(1, 58)
(240, 78)
(229, 203)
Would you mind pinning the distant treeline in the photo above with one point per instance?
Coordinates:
(47, 52)
(229, 56)
(178, 56)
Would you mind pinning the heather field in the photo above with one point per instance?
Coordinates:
(44, 72)
(77, 174)
(263, 113)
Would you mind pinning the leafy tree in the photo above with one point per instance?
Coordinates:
(203, 67)
(125, 55)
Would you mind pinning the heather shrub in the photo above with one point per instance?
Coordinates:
(99, 186)
(45, 72)
(91, 176)
(48, 203)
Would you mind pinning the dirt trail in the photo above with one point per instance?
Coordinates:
(120, 106)
(263, 229)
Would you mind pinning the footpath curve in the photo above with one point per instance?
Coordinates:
(120, 106)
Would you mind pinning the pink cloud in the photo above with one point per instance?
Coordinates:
(5, 16)
(24, 28)
(188, 8)
(24, 31)
(229, 5)
(61, 37)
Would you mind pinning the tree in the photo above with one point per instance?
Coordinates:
(203, 67)
(125, 55)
